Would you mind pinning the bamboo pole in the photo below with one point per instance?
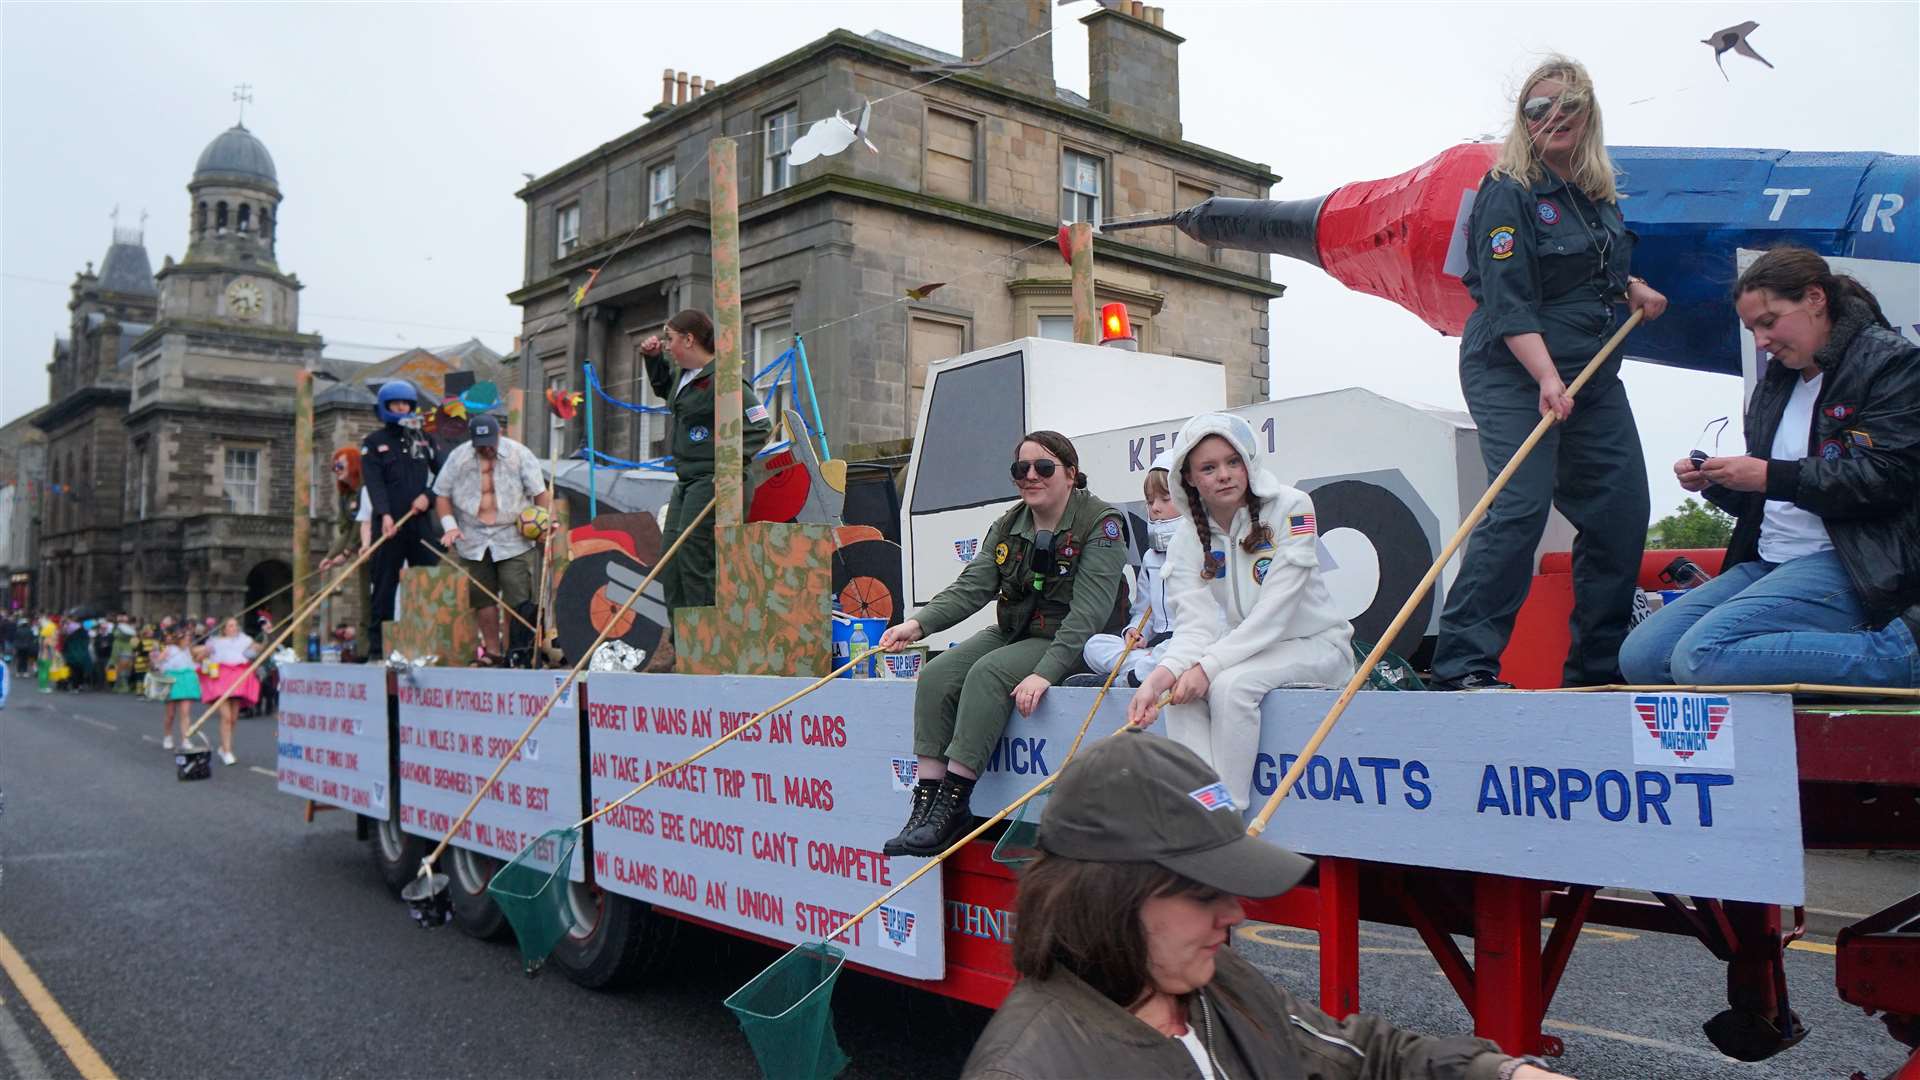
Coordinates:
(728, 737)
(453, 560)
(426, 864)
(285, 631)
(1259, 824)
(1010, 807)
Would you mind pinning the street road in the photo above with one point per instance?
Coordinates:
(204, 930)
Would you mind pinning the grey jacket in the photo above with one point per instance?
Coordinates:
(1062, 1028)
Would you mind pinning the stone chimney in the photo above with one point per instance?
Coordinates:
(990, 25)
(1135, 69)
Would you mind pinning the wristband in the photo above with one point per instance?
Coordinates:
(447, 523)
(1512, 1065)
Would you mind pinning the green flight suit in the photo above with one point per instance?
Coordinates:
(963, 700)
(688, 579)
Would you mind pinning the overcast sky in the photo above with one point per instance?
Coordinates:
(400, 133)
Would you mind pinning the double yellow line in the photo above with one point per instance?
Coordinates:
(54, 1018)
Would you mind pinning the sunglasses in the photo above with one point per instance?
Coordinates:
(1717, 427)
(1042, 468)
(339, 466)
(1539, 108)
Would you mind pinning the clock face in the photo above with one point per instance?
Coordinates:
(245, 299)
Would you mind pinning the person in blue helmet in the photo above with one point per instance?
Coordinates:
(397, 466)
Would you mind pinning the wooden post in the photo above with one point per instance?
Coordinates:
(1086, 324)
(724, 213)
(517, 415)
(302, 495)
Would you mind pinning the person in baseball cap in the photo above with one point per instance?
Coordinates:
(1123, 923)
(480, 493)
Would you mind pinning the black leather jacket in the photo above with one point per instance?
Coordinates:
(1862, 469)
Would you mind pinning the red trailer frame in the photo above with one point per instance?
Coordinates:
(1857, 766)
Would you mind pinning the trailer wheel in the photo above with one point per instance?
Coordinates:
(615, 940)
(396, 854)
(473, 910)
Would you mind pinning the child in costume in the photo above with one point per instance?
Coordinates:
(1103, 651)
(1250, 609)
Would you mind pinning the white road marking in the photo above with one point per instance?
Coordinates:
(1636, 1040)
(97, 723)
(20, 1054)
(264, 772)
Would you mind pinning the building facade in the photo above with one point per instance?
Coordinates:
(23, 495)
(971, 179)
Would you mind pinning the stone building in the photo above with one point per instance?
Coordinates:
(169, 427)
(23, 477)
(972, 177)
(170, 409)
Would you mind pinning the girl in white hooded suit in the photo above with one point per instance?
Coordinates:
(1250, 609)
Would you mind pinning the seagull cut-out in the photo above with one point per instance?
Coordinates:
(1734, 38)
(924, 291)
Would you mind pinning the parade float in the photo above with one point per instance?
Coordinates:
(1478, 815)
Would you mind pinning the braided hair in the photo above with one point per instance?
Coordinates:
(1257, 533)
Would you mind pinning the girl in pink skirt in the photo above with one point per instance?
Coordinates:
(228, 656)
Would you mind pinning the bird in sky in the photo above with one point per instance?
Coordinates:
(1734, 38)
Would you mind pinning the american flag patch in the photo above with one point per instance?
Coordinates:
(756, 413)
(1214, 796)
(1300, 525)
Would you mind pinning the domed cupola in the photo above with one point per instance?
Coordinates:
(236, 201)
(236, 155)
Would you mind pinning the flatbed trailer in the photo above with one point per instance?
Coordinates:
(1858, 786)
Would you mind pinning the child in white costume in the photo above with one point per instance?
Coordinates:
(1102, 651)
(1246, 551)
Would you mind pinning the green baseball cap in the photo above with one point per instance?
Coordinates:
(1136, 797)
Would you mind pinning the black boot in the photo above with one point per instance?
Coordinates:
(948, 819)
(922, 802)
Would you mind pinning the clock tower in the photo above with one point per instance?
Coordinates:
(210, 411)
(229, 274)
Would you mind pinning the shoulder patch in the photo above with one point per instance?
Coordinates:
(1500, 241)
(755, 414)
(1300, 525)
(1110, 528)
(1000, 554)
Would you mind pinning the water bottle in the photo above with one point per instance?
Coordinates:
(313, 645)
(857, 644)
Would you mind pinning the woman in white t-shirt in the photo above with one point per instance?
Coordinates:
(1250, 610)
(1821, 582)
(229, 655)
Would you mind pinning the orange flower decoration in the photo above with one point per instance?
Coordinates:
(564, 403)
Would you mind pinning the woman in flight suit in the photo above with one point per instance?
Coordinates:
(1550, 260)
(1053, 563)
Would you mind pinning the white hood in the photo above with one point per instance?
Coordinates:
(1266, 486)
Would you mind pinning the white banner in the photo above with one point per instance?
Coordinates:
(778, 832)
(333, 736)
(455, 726)
(1637, 791)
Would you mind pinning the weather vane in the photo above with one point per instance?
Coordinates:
(243, 94)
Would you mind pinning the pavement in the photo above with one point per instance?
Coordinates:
(153, 928)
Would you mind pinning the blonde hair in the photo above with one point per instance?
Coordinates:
(1155, 485)
(1593, 171)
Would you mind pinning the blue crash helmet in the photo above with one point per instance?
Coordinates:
(392, 391)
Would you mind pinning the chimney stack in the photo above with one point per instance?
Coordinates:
(666, 87)
(680, 88)
(1134, 64)
(990, 25)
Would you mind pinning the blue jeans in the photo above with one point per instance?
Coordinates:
(1762, 622)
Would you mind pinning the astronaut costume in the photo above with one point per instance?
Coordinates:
(1264, 620)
